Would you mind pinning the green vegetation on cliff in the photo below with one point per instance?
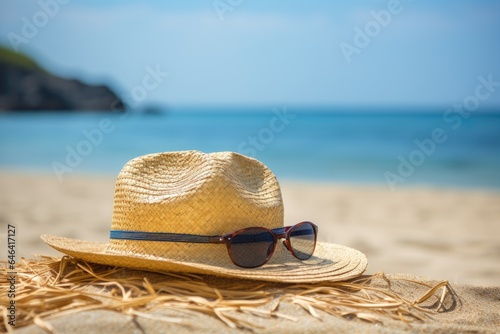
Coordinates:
(11, 57)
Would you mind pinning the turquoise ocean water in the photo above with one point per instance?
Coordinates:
(355, 146)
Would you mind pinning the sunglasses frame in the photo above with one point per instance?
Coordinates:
(277, 233)
(226, 239)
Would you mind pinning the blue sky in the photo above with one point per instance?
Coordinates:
(429, 53)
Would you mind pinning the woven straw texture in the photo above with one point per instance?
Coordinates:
(191, 192)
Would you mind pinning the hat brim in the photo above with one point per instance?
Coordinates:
(330, 262)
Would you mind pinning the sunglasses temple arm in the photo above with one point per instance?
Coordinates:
(216, 240)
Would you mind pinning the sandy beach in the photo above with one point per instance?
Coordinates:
(432, 234)
(444, 234)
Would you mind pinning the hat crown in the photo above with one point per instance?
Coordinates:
(191, 192)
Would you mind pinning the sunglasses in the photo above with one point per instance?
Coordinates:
(249, 247)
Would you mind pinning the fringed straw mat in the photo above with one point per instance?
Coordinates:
(47, 288)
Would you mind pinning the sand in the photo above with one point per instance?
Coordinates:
(444, 234)
(477, 311)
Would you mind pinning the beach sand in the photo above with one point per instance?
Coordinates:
(439, 233)
(444, 234)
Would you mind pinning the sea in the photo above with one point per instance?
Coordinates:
(389, 147)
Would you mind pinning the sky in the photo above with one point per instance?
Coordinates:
(237, 52)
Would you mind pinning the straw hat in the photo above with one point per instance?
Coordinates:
(194, 193)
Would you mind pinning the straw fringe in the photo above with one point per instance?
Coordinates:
(48, 288)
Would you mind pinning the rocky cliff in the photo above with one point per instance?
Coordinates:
(25, 86)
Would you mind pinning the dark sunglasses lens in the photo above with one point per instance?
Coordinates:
(252, 247)
(303, 240)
